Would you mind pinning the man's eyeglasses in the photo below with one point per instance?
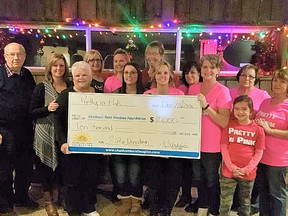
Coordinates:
(250, 77)
(12, 55)
(94, 60)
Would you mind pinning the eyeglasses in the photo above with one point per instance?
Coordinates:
(12, 55)
(132, 73)
(152, 53)
(250, 77)
(95, 60)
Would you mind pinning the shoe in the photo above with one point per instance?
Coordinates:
(192, 207)
(35, 191)
(254, 211)
(73, 213)
(145, 204)
(6, 210)
(94, 213)
(29, 204)
(181, 203)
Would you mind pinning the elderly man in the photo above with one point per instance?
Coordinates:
(16, 86)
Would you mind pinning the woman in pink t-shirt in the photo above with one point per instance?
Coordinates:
(120, 59)
(273, 117)
(216, 103)
(164, 173)
(248, 78)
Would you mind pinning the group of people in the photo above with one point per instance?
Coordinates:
(243, 128)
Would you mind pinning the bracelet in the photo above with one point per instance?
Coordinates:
(206, 107)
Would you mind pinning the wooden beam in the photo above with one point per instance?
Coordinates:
(279, 10)
(250, 11)
(265, 10)
(87, 9)
(168, 9)
(232, 12)
(36, 9)
(284, 49)
(52, 10)
(154, 10)
(216, 10)
(183, 10)
(199, 11)
(69, 8)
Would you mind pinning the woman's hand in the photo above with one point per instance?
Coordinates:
(52, 107)
(65, 148)
(264, 124)
(1, 138)
(202, 99)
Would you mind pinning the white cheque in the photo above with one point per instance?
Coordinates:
(125, 124)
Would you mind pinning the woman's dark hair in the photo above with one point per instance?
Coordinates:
(187, 67)
(139, 79)
(247, 67)
(247, 99)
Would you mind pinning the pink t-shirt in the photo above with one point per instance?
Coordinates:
(217, 97)
(256, 94)
(183, 88)
(111, 84)
(276, 152)
(242, 140)
(172, 91)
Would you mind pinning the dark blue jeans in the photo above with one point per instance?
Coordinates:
(164, 182)
(126, 170)
(272, 197)
(206, 178)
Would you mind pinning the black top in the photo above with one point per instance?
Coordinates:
(15, 97)
(37, 108)
(61, 116)
(98, 85)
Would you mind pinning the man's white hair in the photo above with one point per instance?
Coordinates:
(6, 48)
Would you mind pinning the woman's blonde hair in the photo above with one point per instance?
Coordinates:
(154, 69)
(92, 54)
(214, 59)
(55, 57)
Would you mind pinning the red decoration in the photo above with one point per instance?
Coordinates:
(266, 56)
(4, 40)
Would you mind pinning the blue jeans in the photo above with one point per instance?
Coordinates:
(206, 178)
(272, 195)
(126, 170)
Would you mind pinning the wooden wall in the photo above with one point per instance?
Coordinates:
(145, 11)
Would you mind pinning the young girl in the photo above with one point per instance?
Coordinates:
(242, 145)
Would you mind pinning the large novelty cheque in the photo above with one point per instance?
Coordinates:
(151, 125)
